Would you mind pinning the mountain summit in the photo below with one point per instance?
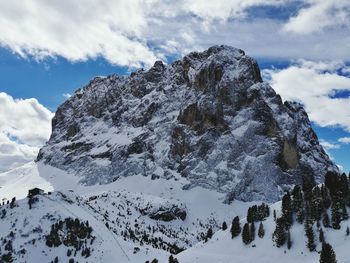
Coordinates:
(208, 118)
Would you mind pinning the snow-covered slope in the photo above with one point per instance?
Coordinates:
(208, 117)
(136, 219)
(222, 248)
(124, 212)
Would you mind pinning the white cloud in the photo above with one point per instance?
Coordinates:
(76, 30)
(318, 15)
(137, 32)
(224, 9)
(345, 140)
(25, 125)
(313, 83)
(328, 145)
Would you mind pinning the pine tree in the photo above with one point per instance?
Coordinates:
(326, 222)
(330, 182)
(344, 186)
(336, 216)
(209, 234)
(307, 188)
(172, 259)
(252, 231)
(287, 209)
(327, 254)
(310, 237)
(246, 236)
(299, 216)
(235, 227)
(279, 235)
(289, 241)
(297, 204)
(321, 236)
(261, 231)
(250, 214)
(224, 226)
(347, 231)
(316, 204)
(345, 215)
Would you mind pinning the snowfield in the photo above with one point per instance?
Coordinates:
(120, 205)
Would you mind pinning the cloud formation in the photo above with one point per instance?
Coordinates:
(25, 125)
(135, 33)
(328, 145)
(315, 84)
(345, 140)
(318, 15)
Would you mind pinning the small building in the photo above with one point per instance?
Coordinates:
(35, 191)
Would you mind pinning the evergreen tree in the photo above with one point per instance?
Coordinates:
(235, 227)
(307, 188)
(224, 226)
(316, 204)
(321, 236)
(209, 234)
(327, 254)
(310, 237)
(261, 231)
(326, 222)
(172, 259)
(279, 235)
(252, 231)
(345, 215)
(287, 211)
(325, 197)
(250, 214)
(344, 187)
(297, 204)
(336, 216)
(347, 231)
(289, 241)
(330, 182)
(299, 216)
(246, 236)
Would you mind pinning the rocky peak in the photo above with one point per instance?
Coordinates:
(208, 118)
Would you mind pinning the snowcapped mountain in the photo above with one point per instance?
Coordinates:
(143, 167)
(208, 118)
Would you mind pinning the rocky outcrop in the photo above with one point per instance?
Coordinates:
(167, 212)
(208, 118)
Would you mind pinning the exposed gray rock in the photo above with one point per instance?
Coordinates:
(208, 117)
(167, 212)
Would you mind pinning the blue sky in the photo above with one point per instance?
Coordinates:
(56, 47)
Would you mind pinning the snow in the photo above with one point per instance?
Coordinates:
(128, 194)
(222, 248)
(17, 182)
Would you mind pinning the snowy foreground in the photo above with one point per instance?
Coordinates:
(116, 210)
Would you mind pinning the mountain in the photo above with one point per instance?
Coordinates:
(154, 167)
(208, 118)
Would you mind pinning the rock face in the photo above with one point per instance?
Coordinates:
(208, 117)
